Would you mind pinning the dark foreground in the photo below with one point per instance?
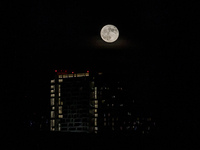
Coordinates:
(74, 141)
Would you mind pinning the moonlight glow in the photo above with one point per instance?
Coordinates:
(109, 33)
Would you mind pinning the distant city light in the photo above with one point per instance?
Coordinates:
(55, 70)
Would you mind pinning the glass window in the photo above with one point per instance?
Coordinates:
(53, 123)
(96, 106)
(96, 128)
(53, 81)
(52, 86)
(52, 101)
(80, 74)
(60, 116)
(95, 110)
(65, 76)
(59, 127)
(60, 80)
(60, 109)
(52, 95)
(71, 76)
(87, 74)
(52, 91)
(59, 76)
(96, 115)
(53, 108)
(52, 114)
(59, 94)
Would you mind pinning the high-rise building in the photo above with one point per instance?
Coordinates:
(90, 102)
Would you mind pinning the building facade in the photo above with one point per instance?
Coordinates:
(90, 102)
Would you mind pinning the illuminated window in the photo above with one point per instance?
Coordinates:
(52, 91)
(95, 110)
(96, 128)
(52, 95)
(60, 76)
(52, 81)
(96, 115)
(95, 122)
(96, 106)
(60, 109)
(74, 75)
(53, 108)
(113, 96)
(87, 74)
(52, 86)
(71, 76)
(80, 74)
(52, 114)
(61, 103)
(112, 104)
(59, 94)
(59, 127)
(60, 80)
(52, 123)
(60, 116)
(95, 93)
(52, 101)
(96, 101)
(65, 75)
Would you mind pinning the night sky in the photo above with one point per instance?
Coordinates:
(155, 54)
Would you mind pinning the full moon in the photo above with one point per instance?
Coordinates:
(109, 33)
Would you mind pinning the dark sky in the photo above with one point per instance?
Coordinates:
(155, 52)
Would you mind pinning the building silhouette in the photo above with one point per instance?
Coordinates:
(93, 103)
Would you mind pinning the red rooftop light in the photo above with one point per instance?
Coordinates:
(87, 71)
(72, 72)
(56, 71)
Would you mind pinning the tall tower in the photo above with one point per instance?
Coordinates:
(74, 104)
